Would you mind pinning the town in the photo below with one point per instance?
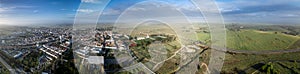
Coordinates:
(99, 50)
(105, 50)
(35, 49)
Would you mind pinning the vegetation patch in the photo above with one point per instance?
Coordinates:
(256, 40)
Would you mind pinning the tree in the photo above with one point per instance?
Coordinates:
(269, 69)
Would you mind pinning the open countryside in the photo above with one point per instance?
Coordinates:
(250, 48)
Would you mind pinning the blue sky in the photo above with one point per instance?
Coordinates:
(19, 12)
(26, 12)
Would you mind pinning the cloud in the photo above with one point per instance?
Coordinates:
(35, 11)
(4, 9)
(137, 9)
(254, 11)
(161, 11)
(90, 1)
(85, 10)
(291, 15)
(260, 11)
(153, 9)
(264, 8)
(111, 12)
(13, 8)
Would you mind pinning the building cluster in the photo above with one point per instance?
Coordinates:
(52, 42)
(102, 46)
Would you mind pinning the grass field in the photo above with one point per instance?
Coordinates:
(241, 62)
(256, 40)
(244, 39)
(205, 37)
(252, 38)
(295, 45)
(259, 40)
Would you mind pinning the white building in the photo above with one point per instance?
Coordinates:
(3, 41)
(140, 38)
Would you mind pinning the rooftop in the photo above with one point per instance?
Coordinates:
(96, 60)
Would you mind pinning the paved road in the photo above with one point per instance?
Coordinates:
(12, 71)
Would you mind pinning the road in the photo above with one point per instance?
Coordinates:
(12, 71)
(168, 58)
(261, 52)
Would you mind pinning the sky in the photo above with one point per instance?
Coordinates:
(47, 12)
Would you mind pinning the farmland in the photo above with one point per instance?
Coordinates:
(239, 63)
(263, 39)
(257, 38)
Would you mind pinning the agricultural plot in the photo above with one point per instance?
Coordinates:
(241, 63)
(259, 40)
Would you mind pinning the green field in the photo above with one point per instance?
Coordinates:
(205, 37)
(241, 39)
(295, 45)
(245, 63)
(256, 40)
(259, 40)
(254, 37)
